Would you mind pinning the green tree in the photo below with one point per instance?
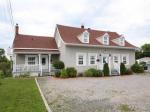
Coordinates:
(146, 47)
(123, 69)
(106, 69)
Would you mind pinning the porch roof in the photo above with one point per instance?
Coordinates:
(34, 42)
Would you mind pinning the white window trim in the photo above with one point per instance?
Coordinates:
(84, 59)
(122, 43)
(118, 55)
(26, 59)
(89, 57)
(107, 39)
(127, 57)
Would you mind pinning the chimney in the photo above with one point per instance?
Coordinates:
(82, 26)
(16, 29)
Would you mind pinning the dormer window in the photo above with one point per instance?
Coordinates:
(84, 37)
(106, 39)
(122, 41)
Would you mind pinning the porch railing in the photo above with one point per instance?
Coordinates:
(27, 68)
(31, 68)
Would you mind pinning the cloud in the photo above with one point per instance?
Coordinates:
(38, 17)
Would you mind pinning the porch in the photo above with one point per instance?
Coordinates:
(34, 64)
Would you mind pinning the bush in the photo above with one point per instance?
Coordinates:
(128, 72)
(1, 74)
(122, 69)
(88, 73)
(106, 69)
(57, 73)
(92, 72)
(136, 68)
(71, 71)
(5, 67)
(58, 64)
(100, 73)
(64, 74)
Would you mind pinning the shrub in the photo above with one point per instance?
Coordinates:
(57, 73)
(106, 69)
(58, 64)
(1, 74)
(88, 73)
(5, 67)
(92, 72)
(100, 73)
(122, 69)
(128, 72)
(64, 74)
(71, 71)
(136, 68)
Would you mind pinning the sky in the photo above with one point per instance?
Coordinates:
(39, 17)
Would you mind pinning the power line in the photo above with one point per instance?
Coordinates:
(10, 12)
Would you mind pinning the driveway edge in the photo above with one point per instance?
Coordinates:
(43, 98)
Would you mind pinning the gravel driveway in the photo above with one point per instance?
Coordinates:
(105, 94)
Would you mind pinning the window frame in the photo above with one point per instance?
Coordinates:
(117, 55)
(127, 59)
(85, 37)
(122, 41)
(89, 58)
(27, 59)
(77, 59)
(106, 42)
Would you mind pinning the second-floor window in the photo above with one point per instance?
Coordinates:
(106, 40)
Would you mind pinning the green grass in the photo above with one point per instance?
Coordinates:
(125, 108)
(20, 95)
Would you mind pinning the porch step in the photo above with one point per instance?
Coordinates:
(114, 72)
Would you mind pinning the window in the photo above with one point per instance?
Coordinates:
(106, 39)
(92, 58)
(116, 59)
(125, 59)
(122, 41)
(85, 37)
(43, 61)
(31, 60)
(80, 59)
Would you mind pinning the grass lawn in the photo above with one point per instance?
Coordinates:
(20, 95)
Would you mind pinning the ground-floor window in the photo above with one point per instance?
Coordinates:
(92, 58)
(31, 59)
(125, 59)
(81, 59)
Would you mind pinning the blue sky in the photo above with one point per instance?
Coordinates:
(39, 17)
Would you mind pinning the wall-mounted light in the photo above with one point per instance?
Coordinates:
(109, 55)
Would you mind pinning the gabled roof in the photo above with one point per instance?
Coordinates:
(34, 42)
(69, 35)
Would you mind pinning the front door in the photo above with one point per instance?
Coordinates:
(116, 62)
(44, 62)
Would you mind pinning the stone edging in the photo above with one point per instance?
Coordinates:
(44, 100)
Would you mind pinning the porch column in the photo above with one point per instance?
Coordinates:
(49, 64)
(40, 67)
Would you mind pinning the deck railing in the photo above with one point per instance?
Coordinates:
(27, 68)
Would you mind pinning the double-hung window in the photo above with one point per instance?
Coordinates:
(106, 40)
(81, 59)
(125, 59)
(31, 59)
(92, 58)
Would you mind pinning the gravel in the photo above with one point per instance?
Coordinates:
(104, 94)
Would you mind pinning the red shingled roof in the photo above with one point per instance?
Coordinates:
(69, 35)
(30, 41)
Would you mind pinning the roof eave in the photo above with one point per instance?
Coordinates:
(101, 46)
